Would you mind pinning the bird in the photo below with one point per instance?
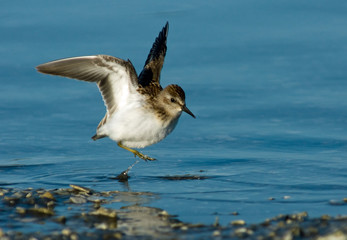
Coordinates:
(139, 111)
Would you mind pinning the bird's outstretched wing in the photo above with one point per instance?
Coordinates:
(116, 78)
(155, 60)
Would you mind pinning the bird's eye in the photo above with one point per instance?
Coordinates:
(173, 100)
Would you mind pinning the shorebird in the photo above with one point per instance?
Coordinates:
(139, 112)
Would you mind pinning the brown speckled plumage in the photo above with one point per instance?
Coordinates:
(139, 112)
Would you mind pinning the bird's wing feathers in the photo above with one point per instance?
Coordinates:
(155, 60)
(116, 78)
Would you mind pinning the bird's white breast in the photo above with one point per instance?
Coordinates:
(136, 127)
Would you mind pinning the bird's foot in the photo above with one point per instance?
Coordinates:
(143, 156)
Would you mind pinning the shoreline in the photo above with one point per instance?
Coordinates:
(83, 213)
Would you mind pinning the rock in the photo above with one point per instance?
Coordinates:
(81, 189)
(47, 195)
(216, 233)
(66, 232)
(20, 210)
(60, 219)
(238, 223)
(43, 212)
(77, 200)
(103, 212)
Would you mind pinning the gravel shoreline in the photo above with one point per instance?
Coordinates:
(82, 213)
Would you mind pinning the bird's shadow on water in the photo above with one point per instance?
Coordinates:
(124, 176)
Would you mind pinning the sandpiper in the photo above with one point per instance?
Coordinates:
(139, 112)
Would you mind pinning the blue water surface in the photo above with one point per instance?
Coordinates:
(267, 81)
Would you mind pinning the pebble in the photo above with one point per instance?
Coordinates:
(216, 233)
(164, 214)
(47, 195)
(66, 232)
(238, 223)
(74, 236)
(50, 204)
(20, 210)
(325, 217)
(77, 200)
(104, 212)
(338, 235)
(243, 232)
(41, 211)
(60, 219)
(81, 189)
(29, 195)
(184, 228)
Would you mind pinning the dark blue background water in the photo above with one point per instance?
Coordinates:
(267, 81)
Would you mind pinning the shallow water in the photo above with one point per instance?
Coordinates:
(266, 80)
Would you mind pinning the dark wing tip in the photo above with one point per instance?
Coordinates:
(159, 46)
(156, 54)
(166, 28)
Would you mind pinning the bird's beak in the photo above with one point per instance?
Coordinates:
(185, 109)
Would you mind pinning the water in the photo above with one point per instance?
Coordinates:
(266, 80)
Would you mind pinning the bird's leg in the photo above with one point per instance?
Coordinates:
(136, 153)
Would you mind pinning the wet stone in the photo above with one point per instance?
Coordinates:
(243, 232)
(96, 200)
(29, 195)
(60, 219)
(50, 204)
(66, 232)
(77, 200)
(81, 189)
(47, 195)
(11, 201)
(20, 210)
(238, 223)
(102, 218)
(42, 212)
(216, 233)
(103, 212)
(325, 217)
